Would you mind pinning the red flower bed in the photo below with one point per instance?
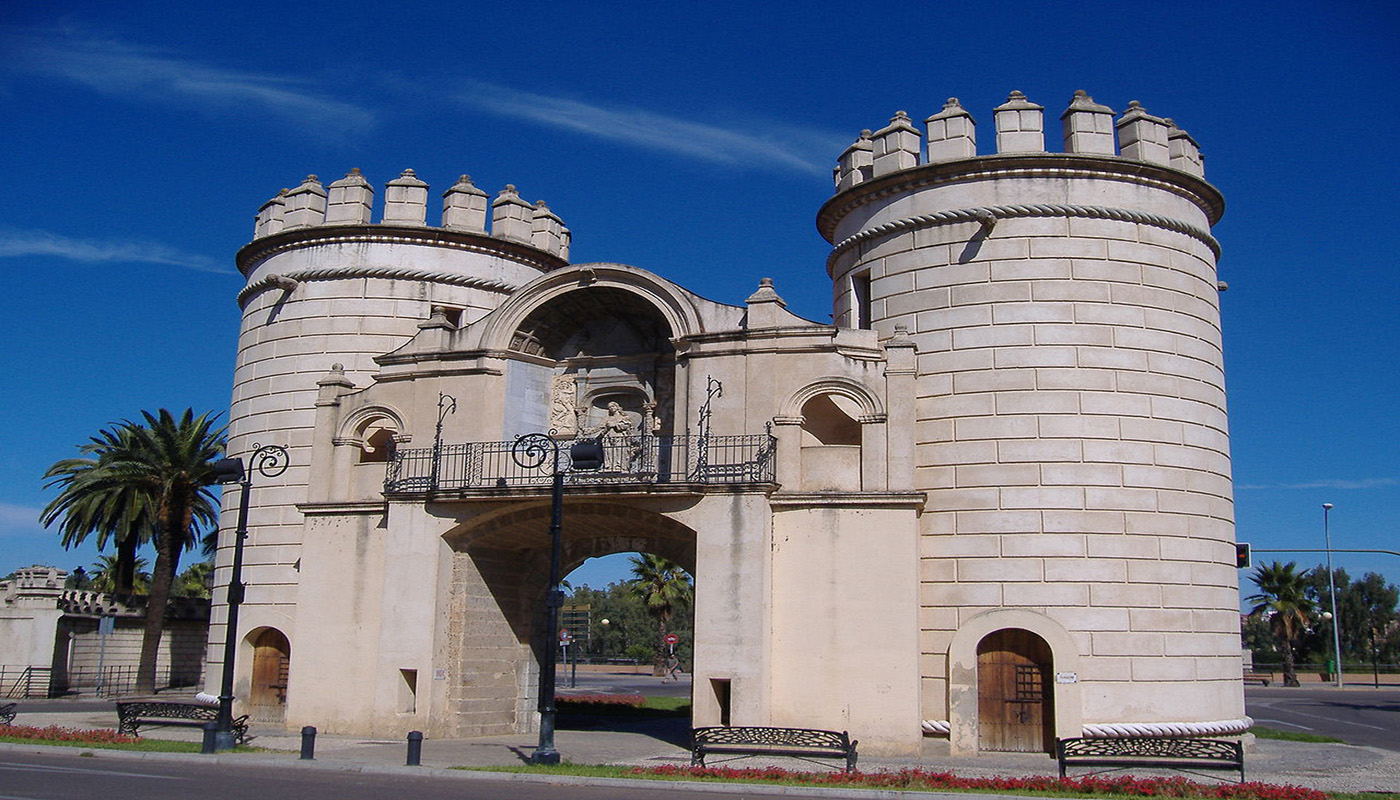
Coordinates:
(926, 780)
(567, 701)
(54, 733)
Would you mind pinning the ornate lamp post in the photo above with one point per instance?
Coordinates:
(531, 451)
(1332, 589)
(269, 460)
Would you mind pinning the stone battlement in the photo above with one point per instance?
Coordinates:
(350, 201)
(1089, 129)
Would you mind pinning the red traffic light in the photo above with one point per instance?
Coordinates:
(1242, 555)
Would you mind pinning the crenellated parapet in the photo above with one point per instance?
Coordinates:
(1088, 128)
(350, 201)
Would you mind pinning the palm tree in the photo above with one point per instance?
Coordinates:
(157, 473)
(1284, 601)
(106, 571)
(88, 504)
(661, 585)
(196, 581)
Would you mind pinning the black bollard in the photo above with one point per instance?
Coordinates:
(211, 730)
(308, 743)
(415, 748)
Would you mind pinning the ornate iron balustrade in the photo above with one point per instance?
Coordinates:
(626, 461)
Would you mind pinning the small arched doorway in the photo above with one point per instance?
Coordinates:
(267, 693)
(1015, 693)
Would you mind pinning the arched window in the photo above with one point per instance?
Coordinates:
(830, 419)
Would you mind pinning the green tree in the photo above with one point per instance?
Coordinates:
(104, 576)
(1283, 599)
(89, 503)
(662, 586)
(157, 473)
(196, 581)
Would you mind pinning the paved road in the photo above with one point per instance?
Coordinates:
(48, 776)
(1356, 716)
(623, 683)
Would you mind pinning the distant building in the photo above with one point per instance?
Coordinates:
(52, 641)
(991, 504)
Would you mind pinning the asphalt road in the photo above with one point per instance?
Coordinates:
(623, 683)
(29, 776)
(1356, 716)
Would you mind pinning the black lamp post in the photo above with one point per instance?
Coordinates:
(530, 451)
(270, 460)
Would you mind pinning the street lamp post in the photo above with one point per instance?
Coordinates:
(531, 451)
(269, 460)
(1332, 590)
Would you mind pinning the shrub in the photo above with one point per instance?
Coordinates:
(54, 733)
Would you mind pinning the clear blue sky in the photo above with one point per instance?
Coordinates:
(694, 140)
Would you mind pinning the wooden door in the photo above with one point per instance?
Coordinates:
(1015, 694)
(267, 697)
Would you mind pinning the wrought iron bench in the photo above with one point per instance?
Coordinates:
(1260, 677)
(1182, 755)
(803, 743)
(131, 716)
(7, 713)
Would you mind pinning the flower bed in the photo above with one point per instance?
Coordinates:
(582, 702)
(918, 779)
(54, 733)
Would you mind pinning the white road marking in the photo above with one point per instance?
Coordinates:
(17, 767)
(1281, 722)
(1330, 719)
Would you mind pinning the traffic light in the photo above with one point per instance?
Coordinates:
(1242, 555)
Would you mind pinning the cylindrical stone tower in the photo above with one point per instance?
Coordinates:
(327, 292)
(1071, 431)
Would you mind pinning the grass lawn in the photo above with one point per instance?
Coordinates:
(1261, 732)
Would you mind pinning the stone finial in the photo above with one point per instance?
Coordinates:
(306, 204)
(952, 133)
(546, 229)
(1185, 153)
(1143, 137)
(271, 216)
(765, 307)
(1020, 125)
(511, 217)
(566, 238)
(856, 163)
(334, 384)
(350, 200)
(464, 206)
(406, 200)
(1088, 126)
(896, 145)
(765, 294)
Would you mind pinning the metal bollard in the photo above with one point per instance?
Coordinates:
(208, 746)
(308, 743)
(415, 748)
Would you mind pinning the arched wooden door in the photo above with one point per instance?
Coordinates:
(1015, 693)
(267, 696)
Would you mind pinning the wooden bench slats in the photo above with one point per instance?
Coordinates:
(761, 741)
(1161, 752)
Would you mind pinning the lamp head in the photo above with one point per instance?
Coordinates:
(1327, 506)
(228, 470)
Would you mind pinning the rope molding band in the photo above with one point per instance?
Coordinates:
(1128, 730)
(988, 215)
(395, 273)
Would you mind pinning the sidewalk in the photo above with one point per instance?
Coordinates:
(1327, 767)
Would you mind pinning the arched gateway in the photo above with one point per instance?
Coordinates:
(991, 502)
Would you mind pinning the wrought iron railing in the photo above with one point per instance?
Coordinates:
(639, 460)
(18, 681)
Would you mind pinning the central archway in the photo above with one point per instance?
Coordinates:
(497, 629)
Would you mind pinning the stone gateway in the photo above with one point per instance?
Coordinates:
(990, 505)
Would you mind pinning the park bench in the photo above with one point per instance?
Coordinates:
(1181, 755)
(7, 713)
(132, 715)
(803, 743)
(1258, 676)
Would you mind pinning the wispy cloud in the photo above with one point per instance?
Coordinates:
(1329, 483)
(771, 146)
(134, 72)
(18, 520)
(17, 244)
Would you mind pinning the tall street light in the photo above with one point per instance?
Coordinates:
(531, 451)
(269, 460)
(1332, 589)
